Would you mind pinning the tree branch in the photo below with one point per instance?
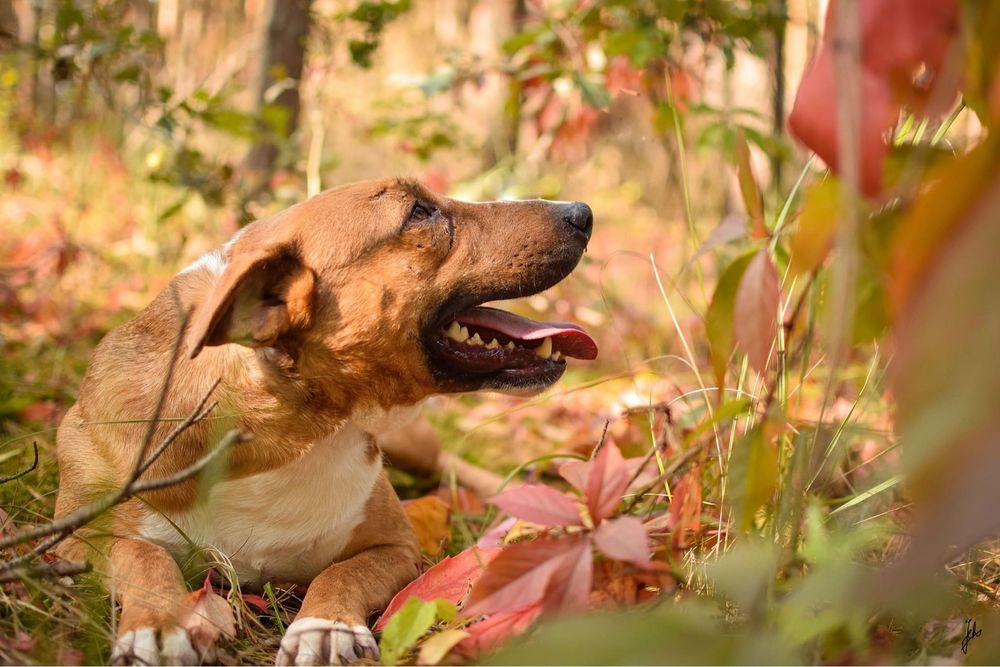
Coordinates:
(19, 475)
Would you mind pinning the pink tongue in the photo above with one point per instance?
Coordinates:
(567, 338)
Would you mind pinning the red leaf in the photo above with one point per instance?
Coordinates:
(607, 479)
(569, 587)
(520, 575)
(489, 634)
(539, 504)
(450, 579)
(624, 539)
(756, 310)
(256, 601)
(575, 472)
(495, 535)
(904, 47)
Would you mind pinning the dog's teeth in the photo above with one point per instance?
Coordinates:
(545, 349)
(475, 340)
(463, 335)
(455, 332)
(556, 356)
(492, 345)
(510, 345)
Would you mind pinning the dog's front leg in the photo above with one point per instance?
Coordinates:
(331, 628)
(148, 585)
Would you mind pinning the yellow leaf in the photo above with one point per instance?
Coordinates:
(752, 197)
(439, 645)
(816, 226)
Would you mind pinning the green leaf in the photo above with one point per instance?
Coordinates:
(753, 475)
(409, 624)
(721, 314)
(594, 93)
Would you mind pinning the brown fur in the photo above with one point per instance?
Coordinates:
(315, 318)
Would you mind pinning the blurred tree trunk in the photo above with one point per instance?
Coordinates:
(503, 140)
(286, 32)
(780, 7)
(9, 29)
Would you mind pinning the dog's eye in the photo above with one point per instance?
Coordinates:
(421, 212)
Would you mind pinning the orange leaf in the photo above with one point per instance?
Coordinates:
(429, 518)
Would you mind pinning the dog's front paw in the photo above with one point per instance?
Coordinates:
(318, 641)
(149, 646)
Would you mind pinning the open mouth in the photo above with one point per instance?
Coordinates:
(498, 349)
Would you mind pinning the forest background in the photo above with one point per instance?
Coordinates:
(787, 449)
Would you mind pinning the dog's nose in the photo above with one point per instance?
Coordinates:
(578, 215)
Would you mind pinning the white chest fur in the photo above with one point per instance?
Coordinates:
(286, 524)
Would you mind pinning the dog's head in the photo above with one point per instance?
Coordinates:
(376, 288)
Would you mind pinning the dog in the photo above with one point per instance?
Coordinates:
(327, 324)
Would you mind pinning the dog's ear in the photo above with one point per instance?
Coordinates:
(263, 294)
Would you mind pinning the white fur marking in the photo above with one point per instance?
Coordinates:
(304, 639)
(285, 524)
(212, 261)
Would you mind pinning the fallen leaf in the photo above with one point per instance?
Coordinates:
(461, 500)
(429, 518)
(407, 626)
(625, 539)
(539, 504)
(439, 645)
(206, 616)
(450, 579)
(756, 310)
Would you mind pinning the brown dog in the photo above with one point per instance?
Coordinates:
(324, 322)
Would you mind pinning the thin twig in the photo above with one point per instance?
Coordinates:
(231, 438)
(196, 415)
(160, 401)
(63, 527)
(788, 327)
(674, 467)
(600, 443)
(63, 568)
(85, 514)
(19, 475)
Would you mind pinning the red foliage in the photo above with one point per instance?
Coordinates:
(904, 44)
(449, 579)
